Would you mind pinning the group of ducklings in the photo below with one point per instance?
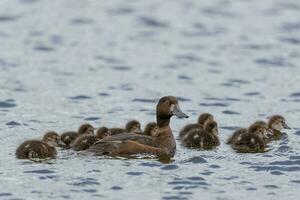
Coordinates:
(204, 134)
(200, 135)
(79, 140)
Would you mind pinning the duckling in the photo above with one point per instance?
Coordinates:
(276, 124)
(130, 143)
(236, 136)
(39, 149)
(151, 129)
(68, 137)
(252, 141)
(199, 125)
(102, 132)
(84, 141)
(206, 138)
(132, 126)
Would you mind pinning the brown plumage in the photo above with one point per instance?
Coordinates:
(276, 124)
(236, 136)
(84, 141)
(151, 129)
(206, 138)
(128, 144)
(204, 117)
(39, 149)
(68, 137)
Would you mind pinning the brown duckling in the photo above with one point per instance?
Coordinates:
(39, 149)
(68, 137)
(204, 117)
(252, 141)
(236, 136)
(84, 141)
(102, 132)
(276, 124)
(130, 144)
(206, 138)
(133, 126)
(151, 129)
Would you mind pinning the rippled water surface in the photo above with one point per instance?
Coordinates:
(66, 62)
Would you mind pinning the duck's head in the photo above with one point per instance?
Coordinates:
(260, 128)
(204, 117)
(133, 126)
(102, 132)
(86, 128)
(151, 129)
(278, 123)
(167, 107)
(52, 139)
(211, 127)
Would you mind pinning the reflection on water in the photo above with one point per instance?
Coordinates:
(105, 62)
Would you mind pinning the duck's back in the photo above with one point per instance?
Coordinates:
(34, 149)
(112, 144)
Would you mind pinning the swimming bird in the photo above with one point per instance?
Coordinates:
(130, 143)
(39, 149)
(204, 117)
(132, 126)
(151, 129)
(68, 137)
(276, 124)
(84, 141)
(206, 138)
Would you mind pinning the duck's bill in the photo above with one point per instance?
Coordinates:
(286, 126)
(178, 113)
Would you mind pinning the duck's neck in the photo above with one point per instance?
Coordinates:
(163, 121)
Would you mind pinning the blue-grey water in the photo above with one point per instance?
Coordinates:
(64, 62)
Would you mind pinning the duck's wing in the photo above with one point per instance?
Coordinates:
(143, 139)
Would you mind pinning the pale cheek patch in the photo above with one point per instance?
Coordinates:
(196, 136)
(252, 141)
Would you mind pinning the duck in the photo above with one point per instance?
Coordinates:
(236, 136)
(68, 137)
(276, 124)
(127, 144)
(39, 149)
(254, 139)
(132, 126)
(201, 121)
(206, 138)
(151, 129)
(84, 141)
(250, 142)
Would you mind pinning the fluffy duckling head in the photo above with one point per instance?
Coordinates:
(102, 132)
(211, 127)
(260, 128)
(278, 123)
(86, 128)
(151, 129)
(133, 126)
(205, 117)
(52, 139)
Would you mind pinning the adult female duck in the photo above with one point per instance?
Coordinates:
(129, 144)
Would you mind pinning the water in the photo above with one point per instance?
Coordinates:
(66, 62)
